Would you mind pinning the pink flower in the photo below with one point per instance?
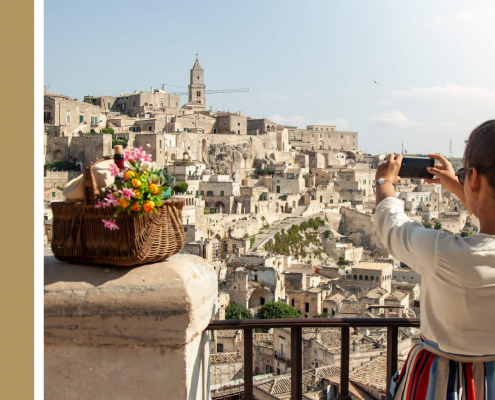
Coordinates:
(136, 153)
(101, 204)
(114, 170)
(112, 200)
(109, 224)
(127, 193)
(140, 155)
(127, 156)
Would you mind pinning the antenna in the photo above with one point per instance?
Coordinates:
(450, 149)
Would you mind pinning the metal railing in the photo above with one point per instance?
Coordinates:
(296, 326)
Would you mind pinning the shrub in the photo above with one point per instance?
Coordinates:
(322, 315)
(277, 310)
(252, 242)
(213, 211)
(236, 311)
(428, 225)
(180, 187)
(438, 225)
(327, 234)
(120, 142)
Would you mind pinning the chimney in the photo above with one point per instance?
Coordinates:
(318, 334)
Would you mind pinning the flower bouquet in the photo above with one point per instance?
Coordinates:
(149, 223)
(140, 187)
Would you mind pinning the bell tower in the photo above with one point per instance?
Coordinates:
(197, 84)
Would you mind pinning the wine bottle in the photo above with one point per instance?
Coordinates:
(118, 156)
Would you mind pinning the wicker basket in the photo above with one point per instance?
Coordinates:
(79, 236)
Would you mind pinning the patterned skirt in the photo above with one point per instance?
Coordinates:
(430, 374)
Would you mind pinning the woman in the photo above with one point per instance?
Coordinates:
(455, 358)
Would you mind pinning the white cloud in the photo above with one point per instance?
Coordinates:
(385, 103)
(464, 18)
(297, 120)
(393, 119)
(339, 123)
(446, 92)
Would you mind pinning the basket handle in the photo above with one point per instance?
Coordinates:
(91, 192)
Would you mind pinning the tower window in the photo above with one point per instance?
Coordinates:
(198, 93)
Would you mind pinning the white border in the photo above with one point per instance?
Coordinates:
(38, 204)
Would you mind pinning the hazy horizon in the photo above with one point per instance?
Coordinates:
(303, 63)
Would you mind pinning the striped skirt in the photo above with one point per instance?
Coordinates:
(430, 374)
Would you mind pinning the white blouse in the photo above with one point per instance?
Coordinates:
(458, 279)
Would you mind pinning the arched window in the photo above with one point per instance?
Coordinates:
(68, 118)
(366, 277)
(372, 278)
(150, 128)
(355, 277)
(360, 277)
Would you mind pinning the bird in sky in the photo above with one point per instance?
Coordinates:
(375, 81)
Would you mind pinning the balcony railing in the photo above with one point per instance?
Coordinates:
(296, 325)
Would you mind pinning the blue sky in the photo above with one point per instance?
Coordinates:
(304, 62)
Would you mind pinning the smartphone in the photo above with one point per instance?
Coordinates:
(415, 167)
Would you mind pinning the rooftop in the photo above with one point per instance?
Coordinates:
(372, 265)
(373, 374)
(221, 358)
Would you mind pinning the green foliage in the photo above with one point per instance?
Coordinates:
(293, 147)
(251, 242)
(327, 234)
(180, 187)
(61, 166)
(245, 236)
(107, 130)
(343, 261)
(428, 225)
(465, 234)
(213, 211)
(120, 142)
(438, 225)
(265, 171)
(322, 315)
(92, 131)
(276, 310)
(235, 311)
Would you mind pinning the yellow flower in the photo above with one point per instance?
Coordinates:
(123, 203)
(136, 183)
(149, 205)
(136, 206)
(137, 193)
(129, 175)
(154, 189)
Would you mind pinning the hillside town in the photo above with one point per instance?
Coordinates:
(283, 214)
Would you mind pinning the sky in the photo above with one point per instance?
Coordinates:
(304, 63)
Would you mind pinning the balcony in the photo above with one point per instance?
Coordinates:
(295, 361)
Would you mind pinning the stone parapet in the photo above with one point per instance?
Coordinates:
(128, 333)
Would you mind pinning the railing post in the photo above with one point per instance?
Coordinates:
(296, 363)
(344, 363)
(248, 364)
(392, 350)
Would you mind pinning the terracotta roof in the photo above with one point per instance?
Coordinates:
(353, 308)
(263, 339)
(227, 333)
(337, 297)
(221, 358)
(373, 374)
(282, 384)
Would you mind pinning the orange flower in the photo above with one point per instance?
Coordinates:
(123, 203)
(136, 183)
(129, 175)
(136, 206)
(154, 189)
(149, 205)
(137, 193)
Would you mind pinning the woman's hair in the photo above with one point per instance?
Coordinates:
(480, 151)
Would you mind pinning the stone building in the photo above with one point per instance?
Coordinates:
(260, 126)
(227, 122)
(322, 138)
(54, 182)
(197, 86)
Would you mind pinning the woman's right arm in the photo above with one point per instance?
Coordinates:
(405, 239)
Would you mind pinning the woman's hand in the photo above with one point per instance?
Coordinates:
(445, 175)
(389, 170)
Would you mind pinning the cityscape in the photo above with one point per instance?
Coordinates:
(283, 214)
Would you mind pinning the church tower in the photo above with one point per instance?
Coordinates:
(197, 85)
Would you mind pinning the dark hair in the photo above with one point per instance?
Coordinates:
(480, 151)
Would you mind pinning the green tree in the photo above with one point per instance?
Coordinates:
(235, 311)
(322, 315)
(277, 310)
(180, 187)
(438, 225)
(428, 225)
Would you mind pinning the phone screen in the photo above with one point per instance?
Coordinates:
(415, 167)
